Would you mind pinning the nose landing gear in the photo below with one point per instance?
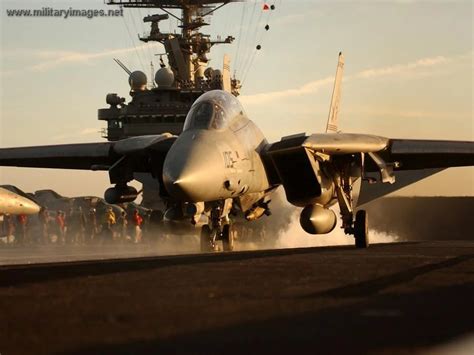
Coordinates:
(219, 228)
(228, 237)
(209, 238)
(207, 244)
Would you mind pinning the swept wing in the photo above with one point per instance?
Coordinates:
(87, 156)
(393, 163)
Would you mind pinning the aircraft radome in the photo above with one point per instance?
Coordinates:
(12, 203)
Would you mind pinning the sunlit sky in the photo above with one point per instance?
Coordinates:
(408, 74)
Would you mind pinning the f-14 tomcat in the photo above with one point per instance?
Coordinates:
(223, 164)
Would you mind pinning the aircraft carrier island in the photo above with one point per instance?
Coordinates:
(160, 104)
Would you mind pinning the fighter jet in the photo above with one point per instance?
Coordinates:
(12, 203)
(222, 164)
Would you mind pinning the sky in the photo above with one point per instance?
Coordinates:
(408, 74)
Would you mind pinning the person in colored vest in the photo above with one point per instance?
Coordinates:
(137, 221)
(22, 220)
(61, 226)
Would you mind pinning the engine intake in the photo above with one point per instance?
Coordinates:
(316, 219)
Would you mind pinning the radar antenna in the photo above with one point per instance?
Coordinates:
(121, 65)
(188, 49)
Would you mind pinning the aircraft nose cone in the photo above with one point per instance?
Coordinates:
(16, 204)
(29, 206)
(181, 187)
(192, 169)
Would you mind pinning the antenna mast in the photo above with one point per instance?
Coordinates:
(188, 49)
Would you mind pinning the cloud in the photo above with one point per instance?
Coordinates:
(55, 58)
(291, 19)
(410, 69)
(82, 134)
(307, 88)
(50, 59)
(87, 131)
(402, 69)
(408, 114)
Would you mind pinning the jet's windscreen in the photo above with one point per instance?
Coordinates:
(213, 110)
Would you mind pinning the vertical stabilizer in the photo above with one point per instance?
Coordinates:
(226, 83)
(332, 125)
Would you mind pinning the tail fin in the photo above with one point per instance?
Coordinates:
(226, 83)
(332, 125)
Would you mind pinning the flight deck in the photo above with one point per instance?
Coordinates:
(391, 298)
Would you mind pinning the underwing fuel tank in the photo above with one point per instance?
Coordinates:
(315, 219)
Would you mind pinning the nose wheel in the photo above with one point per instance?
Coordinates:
(218, 228)
(209, 238)
(361, 229)
(228, 237)
(206, 241)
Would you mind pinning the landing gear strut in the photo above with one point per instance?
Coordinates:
(210, 237)
(358, 227)
(219, 228)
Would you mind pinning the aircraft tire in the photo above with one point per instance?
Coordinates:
(206, 239)
(228, 238)
(361, 230)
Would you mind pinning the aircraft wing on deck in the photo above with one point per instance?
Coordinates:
(64, 156)
(88, 156)
(398, 162)
(412, 154)
(428, 154)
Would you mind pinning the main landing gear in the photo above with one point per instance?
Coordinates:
(361, 229)
(358, 227)
(219, 228)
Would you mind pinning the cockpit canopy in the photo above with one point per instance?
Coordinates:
(215, 110)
